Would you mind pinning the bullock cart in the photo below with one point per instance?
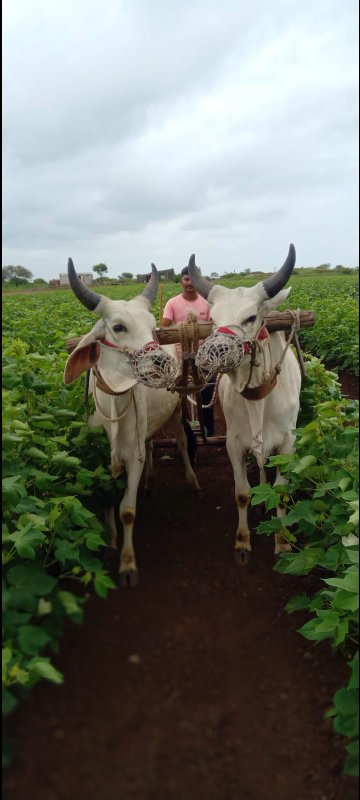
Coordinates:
(189, 334)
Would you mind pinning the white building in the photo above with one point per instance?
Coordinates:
(85, 277)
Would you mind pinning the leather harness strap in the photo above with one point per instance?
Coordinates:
(258, 392)
(100, 383)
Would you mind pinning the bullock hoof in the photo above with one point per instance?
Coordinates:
(242, 557)
(128, 577)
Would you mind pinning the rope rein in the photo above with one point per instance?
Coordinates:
(132, 397)
(294, 329)
(122, 415)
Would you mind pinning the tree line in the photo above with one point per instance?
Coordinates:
(21, 276)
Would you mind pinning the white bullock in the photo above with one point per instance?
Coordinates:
(130, 412)
(260, 400)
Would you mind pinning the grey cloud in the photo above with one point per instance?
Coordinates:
(156, 128)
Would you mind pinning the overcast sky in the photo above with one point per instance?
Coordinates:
(146, 130)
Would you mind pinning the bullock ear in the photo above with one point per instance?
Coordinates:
(274, 302)
(80, 360)
(85, 354)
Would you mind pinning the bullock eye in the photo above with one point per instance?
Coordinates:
(118, 328)
(250, 319)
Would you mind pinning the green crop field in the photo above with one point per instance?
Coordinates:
(45, 319)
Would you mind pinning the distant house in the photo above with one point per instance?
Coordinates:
(164, 275)
(85, 277)
(54, 282)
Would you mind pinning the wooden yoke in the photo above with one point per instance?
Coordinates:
(188, 335)
(274, 321)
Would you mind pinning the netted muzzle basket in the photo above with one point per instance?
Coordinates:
(220, 352)
(154, 367)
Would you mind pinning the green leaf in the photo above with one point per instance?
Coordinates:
(346, 600)
(71, 605)
(351, 766)
(63, 458)
(346, 701)
(37, 454)
(32, 639)
(93, 541)
(341, 632)
(102, 583)
(344, 483)
(270, 526)
(310, 631)
(13, 489)
(12, 437)
(66, 551)
(301, 563)
(9, 701)
(31, 578)
(354, 666)
(42, 668)
(297, 603)
(26, 540)
(349, 582)
(264, 493)
(304, 463)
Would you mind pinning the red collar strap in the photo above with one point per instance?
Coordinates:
(263, 333)
(108, 344)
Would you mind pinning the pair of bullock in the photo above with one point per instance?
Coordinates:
(131, 412)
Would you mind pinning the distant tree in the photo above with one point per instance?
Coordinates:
(127, 275)
(39, 282)
(16, 275)
(214, 275)
(100, 269)
(323, 266)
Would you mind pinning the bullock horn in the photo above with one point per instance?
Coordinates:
(274, 284)
(202, 285)
(151, 287)
(88, 298)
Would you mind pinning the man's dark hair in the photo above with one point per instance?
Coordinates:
(184, 271)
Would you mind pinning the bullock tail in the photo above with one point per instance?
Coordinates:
(191, 441)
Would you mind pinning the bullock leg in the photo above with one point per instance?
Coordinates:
(182, 444)
(128, 570)
(242, 497)
(281, 545)
(149, 467)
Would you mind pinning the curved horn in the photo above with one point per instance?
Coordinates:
(202, 285)
(88, 298)
(274, 284)
(151, 287)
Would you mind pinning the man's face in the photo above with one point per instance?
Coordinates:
(187, 286)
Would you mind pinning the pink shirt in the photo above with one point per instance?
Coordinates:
(177, 309)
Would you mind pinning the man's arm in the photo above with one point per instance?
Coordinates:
(168, 315)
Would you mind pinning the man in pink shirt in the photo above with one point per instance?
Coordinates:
(176, 310)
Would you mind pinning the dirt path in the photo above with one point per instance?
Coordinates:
(195, 684)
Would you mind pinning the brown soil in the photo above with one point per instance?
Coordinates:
(349, 384)
(196, 684)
